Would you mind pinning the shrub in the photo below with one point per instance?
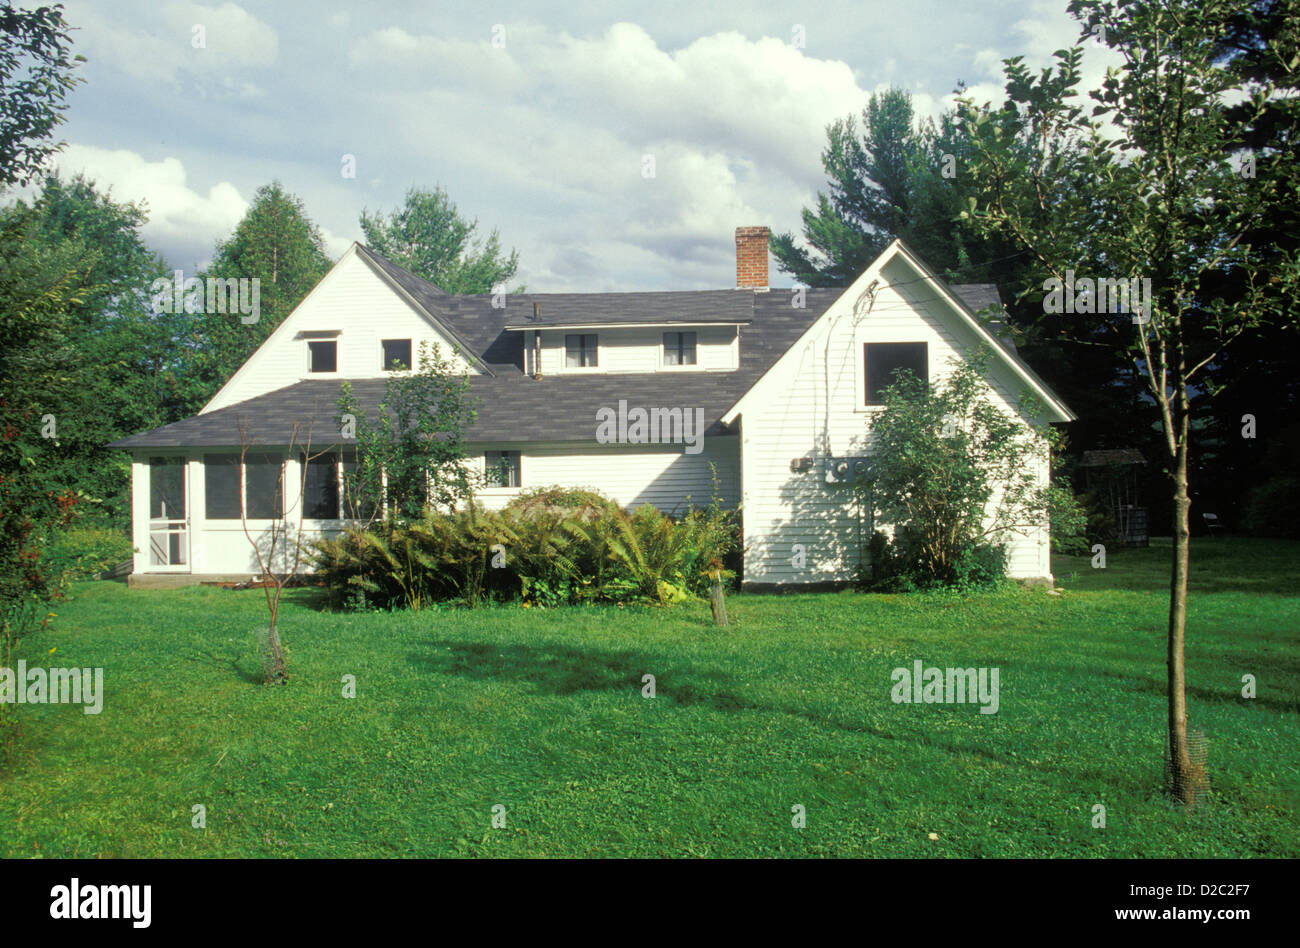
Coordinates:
(899, 565)
(1273, 508)
(1070, 521)
(955, 474)
(81, 550)
(548, 548)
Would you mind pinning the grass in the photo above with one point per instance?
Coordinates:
(542, 712)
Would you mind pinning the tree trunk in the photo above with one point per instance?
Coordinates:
(716, 600)
(1185, 778)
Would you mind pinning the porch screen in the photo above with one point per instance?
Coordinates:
(263, 486)
(320, 490)
(221, 486)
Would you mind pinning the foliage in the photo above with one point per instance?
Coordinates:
(543, 554)
(1273, 508)
(413, 452)
(82, 550)
(1169, 147)
(35, 78)
(428, 236)
(278, 245)
(891, 176)
(953, 473)
(1070, 520)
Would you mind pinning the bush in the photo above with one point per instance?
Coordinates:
(80, 551)
(900, 566)
(1273, 509)
(1070, 521)
(955, 475)
(547, 548)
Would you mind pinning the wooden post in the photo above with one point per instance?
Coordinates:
(716, 600)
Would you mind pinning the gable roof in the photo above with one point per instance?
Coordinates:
(423, 295)
(570, 402)
(987, 329)
(489, 336)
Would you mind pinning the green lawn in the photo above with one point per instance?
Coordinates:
(542, 712)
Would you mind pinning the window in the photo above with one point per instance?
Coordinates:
(221, 486)
(263, 486)
(323, 356)
(580, 351)
(679, 348)
(884, 359)
(399, 351)
(263, 482)
(320, 487)
(501, 468)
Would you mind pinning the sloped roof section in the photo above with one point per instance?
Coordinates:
(630, 309)
(513, 407)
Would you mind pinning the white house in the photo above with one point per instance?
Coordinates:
(764, 395)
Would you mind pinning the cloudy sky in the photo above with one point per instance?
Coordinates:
(536, 117)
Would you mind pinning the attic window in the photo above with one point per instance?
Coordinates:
(580, 351)
(399, 351)
(884, 360)
(322, 356)
(679, 348)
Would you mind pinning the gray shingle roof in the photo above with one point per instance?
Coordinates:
(515, 408)
(512, 407)
(633, 309)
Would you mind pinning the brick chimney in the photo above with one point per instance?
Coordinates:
(751, 257)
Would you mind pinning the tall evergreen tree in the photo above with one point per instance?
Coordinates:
(892, 176)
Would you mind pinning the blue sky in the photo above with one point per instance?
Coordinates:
(539, 129)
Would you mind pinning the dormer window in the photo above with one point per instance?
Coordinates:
(580, 351)
(397, 354)
(323, 355)
(679, 348)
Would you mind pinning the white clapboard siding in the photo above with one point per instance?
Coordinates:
(632, 475)
(351, 299)
(798, 528)
(662, 475)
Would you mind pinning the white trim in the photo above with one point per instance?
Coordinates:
(572, 326)
(307, 371)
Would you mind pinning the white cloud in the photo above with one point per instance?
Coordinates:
(182, 219)
(735, 127)
(232, 40)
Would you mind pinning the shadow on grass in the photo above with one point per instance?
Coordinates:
(1262, 567)
(1159, 687)
(563, 670)
(231, 659)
